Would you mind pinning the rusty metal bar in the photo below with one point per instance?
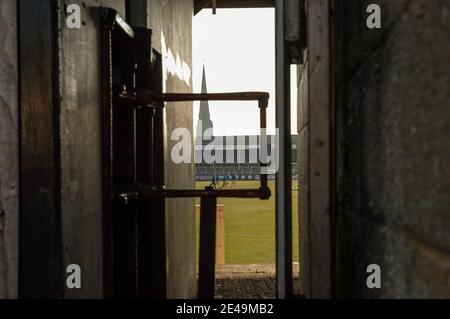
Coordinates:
(124, 172)
(199, 5)
(214, 6)
(107, 143)
(110, 18)
(229, 193)
(147, 98)
(233, 96)
(151, 192)
(263, 104)
(139, 185)
(151, 242)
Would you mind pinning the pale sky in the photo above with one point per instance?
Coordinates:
(237, 47)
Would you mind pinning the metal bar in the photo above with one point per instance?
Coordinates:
(137, 13)
(207, 257)
(155, 100)
(263, 125)
(200, 4)
(107, 127)
(151, 215)
(229, 193)
(119, 151)
(231, 4)
(125, 196)
(125, 250)
(144, 97)
(111, 18)
(158, 210)
(233, 96)
(136, 191)
(283, 201)
(124, 172)
(151, 265)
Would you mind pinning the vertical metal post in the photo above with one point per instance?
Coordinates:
(150, 163)
(158, 209)
(151, 216)
(107, 143)
(137, 13)
(283, 177)
(124, 173)
(207, 262)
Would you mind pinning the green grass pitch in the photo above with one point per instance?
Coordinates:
(250, 226)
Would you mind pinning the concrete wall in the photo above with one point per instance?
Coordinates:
(392, 102)
(171, 21)
(9, 150)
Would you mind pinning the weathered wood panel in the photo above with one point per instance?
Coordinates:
(319, 149)
(9, 150)
(40, 249)
(303, 181)
(81, 155)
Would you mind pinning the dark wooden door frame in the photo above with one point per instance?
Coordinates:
(40, 248)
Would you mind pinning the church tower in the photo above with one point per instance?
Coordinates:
(204, 117)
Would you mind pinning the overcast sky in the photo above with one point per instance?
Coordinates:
(237, 47)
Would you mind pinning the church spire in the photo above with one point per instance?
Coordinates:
(204, 115)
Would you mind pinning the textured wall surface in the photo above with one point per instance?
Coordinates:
(393, 148)
(81, 140)
(81, 170)
(9, 146)
(303, 181)
(171, 21)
